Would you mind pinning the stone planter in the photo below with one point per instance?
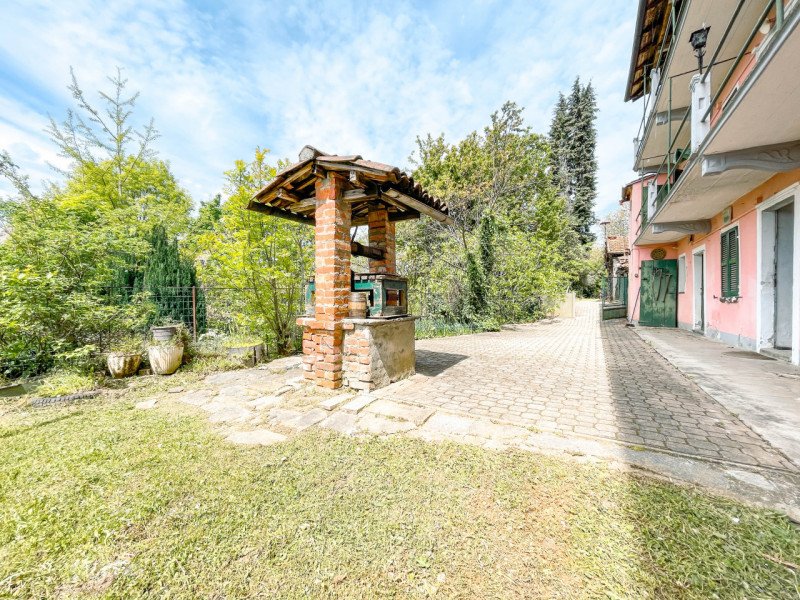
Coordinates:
(164, 333)
(165, 360)
(251, 355)
(121, 364)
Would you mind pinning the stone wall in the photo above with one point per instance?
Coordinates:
(377, 352)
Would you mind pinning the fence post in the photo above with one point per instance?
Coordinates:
(194, 312)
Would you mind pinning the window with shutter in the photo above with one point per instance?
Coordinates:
(729, 255)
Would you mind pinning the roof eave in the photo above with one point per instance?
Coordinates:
(637, 38)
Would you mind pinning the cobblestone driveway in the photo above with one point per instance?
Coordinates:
(582, 377)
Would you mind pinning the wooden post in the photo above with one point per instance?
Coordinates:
(194, 312)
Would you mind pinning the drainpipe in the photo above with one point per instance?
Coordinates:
(672, 16)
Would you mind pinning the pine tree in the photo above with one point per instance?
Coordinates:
(169, 277)
(573, 141)
(559, 135)
(585, 163)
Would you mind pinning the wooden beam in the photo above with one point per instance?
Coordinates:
(357, 249)
(393, 217)
(358, 195)
(284, 194)
(339, 166)
(404, 216)
(299, 174)
(349, 196)
(419, 206)
(279, 212)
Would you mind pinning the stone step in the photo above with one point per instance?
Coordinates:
(358, 403)
(395, 410)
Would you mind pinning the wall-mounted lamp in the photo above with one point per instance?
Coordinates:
(698, 40)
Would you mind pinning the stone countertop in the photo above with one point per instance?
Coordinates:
(381, 320)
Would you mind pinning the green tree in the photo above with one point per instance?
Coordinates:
(103, 137)
(67, 250)
(168, 278)
(264, 260)
(617, 221)
(506, 215)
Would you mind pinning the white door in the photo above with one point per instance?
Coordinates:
(698, 285)
(784, 267)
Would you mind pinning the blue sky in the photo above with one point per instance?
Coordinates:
(348, 77)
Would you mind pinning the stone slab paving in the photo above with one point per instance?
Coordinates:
(581, 377)
(575, 388)
(393, 410)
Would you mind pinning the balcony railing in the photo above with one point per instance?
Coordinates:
(673, 157)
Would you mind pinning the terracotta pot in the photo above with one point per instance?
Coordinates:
(165, 360)
(358, 305)
(121, 364)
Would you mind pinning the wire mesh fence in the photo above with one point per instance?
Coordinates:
(75, 326)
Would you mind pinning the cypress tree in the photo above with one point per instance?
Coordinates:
(573, 140)
(486, 235)
(476, 289)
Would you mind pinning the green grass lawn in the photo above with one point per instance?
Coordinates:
(102, 500)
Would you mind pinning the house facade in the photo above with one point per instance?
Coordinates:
(715, 222)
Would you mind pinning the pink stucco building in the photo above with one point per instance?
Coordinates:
(715, 227)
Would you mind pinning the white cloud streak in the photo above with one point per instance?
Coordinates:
(354, 77)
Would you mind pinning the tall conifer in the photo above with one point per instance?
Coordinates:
(573, 140)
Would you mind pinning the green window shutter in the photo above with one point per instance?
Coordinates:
(729, 259)
(724, 253)
(733, 262)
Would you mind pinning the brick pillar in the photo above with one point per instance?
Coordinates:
(323, 337)
(381, 235)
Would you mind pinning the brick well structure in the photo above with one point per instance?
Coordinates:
(323, 336)
(381, 235)
(333, 194)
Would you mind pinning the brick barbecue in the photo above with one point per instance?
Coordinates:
(334, 193)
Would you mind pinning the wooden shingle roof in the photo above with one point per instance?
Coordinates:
(291, 193)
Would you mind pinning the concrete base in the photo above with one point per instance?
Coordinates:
(378, 352)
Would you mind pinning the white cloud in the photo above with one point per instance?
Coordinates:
(354, 77)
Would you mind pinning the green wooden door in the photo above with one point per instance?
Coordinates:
(659, 293)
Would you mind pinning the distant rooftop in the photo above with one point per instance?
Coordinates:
(617, 244)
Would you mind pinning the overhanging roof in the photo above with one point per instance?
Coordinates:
(652, 24)
(291, 193)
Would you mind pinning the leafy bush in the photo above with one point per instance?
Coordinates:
(63, 250)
